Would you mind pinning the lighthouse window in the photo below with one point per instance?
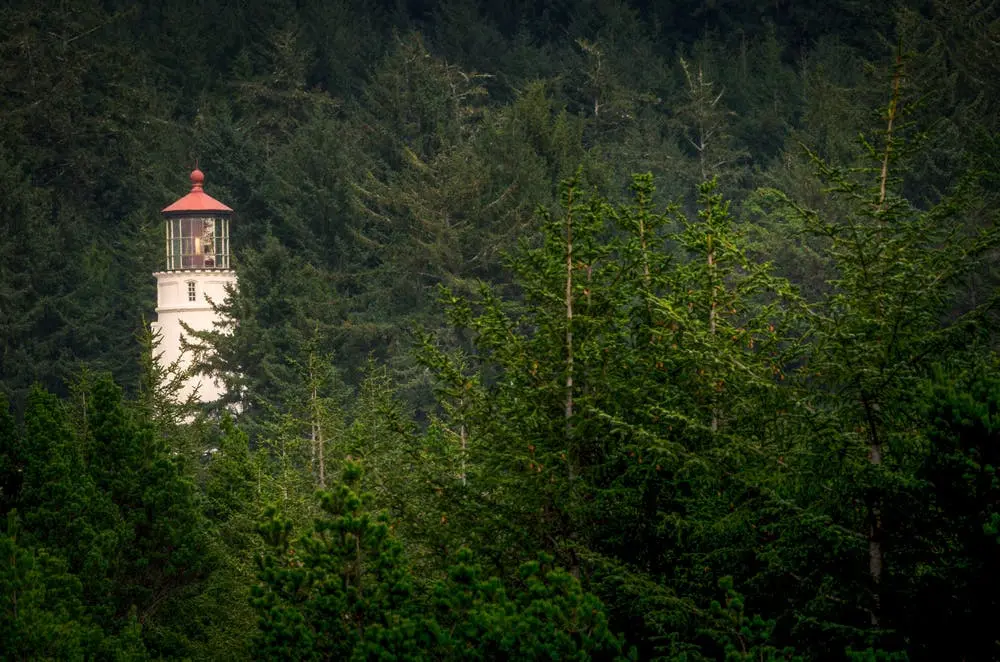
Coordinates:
(192, 295)
(198, 243)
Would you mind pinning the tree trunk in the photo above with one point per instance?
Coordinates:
(569, 333)
(875, 552)
(316, 454)
(320, 456)
(711, 316)
(463, 439)
(876, 559)
(645, 255)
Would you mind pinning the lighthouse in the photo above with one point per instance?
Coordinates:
(197, 273)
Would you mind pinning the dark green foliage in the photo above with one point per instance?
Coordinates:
(283, 308)
(103, 500)
(343, 591)
(43, 615)
(549, 616)
(639, 370)
(339, 590)
(744, 637)
(947, 545)
(11, 459)
(749, 410)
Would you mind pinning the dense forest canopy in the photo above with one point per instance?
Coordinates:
(566, 330)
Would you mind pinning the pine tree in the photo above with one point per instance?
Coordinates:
(877, 332)
(339, 591)
(628, 387)
(43, 617)
(149, 540)
(547, 616)
(343, 590)
(942, 569)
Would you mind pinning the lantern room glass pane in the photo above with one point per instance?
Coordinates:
(197, 242)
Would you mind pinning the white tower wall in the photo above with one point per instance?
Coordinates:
(174, 293)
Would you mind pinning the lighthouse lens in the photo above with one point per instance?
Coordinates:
(195, 242)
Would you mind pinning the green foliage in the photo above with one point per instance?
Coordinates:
(336, 592)
(160, 387)
(11, 459)
(646, 376)
(107, 511)
(744, 637)
(43, 615)
(549, 616)
(945, 549)
(790, 386)
(888, 313)
(279, 313)
(343, 590)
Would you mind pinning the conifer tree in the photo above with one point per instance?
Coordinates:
(705, 125)
(145, 541)
(343, 590)
(43, 617)
(646, 377)
(879, 329)
(337, 592)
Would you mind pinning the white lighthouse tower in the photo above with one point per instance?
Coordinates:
(197, 271)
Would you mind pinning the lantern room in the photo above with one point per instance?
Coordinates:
(197, 230)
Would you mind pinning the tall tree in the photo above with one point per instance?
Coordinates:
(886, 318)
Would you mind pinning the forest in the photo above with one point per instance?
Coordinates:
(569, 330)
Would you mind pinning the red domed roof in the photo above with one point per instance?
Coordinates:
(197, 200)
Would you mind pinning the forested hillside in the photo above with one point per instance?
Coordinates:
(568, 330)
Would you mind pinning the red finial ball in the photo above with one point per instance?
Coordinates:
(197, 178)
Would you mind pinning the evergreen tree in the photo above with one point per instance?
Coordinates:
(943, 541)
(338, 592)
(281, 311)
(343, 590)
(628, 388)
(43, 615)
(876, 333)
